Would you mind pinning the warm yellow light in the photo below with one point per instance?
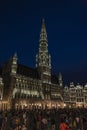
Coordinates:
(64, 105)
(52, 105)
(39, 105)
(58, 105)
(25, 105)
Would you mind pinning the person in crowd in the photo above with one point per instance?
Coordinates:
(63, 125)
(53, 123)
(44, 119)
(1, 119)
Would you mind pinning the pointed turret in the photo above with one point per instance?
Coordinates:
(15, 55)
(60, 80)
(15, 58)
(60, 76)
(14, 64)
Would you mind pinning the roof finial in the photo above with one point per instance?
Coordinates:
(15, 55)
(43, 20)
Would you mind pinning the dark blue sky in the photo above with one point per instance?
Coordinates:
(66, 24)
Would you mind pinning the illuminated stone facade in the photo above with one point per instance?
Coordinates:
(22, 86)
(75, 96)
(31, 87)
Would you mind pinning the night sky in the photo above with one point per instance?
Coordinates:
(66, 24)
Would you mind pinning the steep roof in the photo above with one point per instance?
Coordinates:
(27, 71)
(33, 73)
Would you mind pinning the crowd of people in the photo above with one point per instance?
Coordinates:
(44, 119)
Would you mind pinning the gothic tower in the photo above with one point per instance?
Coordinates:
(43, 58)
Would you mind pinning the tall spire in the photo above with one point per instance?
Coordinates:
(43, 46)
(43, 58)
(43, 34)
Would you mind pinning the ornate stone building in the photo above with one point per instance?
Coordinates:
(31, 87)
(75, 96)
